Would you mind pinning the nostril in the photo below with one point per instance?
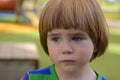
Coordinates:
(67, 52)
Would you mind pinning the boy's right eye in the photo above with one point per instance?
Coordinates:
(56, 39)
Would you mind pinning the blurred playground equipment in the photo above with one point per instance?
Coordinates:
(111, 8)
(15, 7)
(7, 5)
(11, 5)
(16, 59)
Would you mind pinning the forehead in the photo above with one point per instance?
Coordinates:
(67, 31)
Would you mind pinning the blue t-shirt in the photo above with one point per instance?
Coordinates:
(48, 73)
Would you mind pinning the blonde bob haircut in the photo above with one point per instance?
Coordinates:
(85, 15)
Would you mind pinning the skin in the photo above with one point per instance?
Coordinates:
(71, 50)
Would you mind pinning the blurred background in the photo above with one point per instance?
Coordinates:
(21, 51)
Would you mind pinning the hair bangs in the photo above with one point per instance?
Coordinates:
(64, 16)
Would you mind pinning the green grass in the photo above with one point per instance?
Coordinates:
(42, 1)
(111, 10)
(108, 65)
(110, 7)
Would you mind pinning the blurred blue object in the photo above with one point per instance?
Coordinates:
(5, 14)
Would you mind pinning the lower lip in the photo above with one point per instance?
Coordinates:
(68, 62)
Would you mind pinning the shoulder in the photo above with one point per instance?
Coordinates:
(43, 71)
(103, 78)
(40, 71)
(99, 76)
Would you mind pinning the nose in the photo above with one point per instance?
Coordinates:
(66, 48)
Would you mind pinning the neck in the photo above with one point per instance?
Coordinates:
(84, 73)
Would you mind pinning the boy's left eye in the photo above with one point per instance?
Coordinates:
(76, 38)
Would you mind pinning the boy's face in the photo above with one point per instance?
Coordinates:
(69, 49)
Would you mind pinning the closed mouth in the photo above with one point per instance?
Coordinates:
(68, 60)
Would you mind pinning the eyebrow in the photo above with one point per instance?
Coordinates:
(69, 33)
(54, 34)
(78, 33)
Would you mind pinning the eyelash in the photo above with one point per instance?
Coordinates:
(77, 38)
(57, 39)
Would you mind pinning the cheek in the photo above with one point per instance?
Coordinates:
(84, 52)
(84, 56)
(53, 54)
(52, 49)
(89, 52)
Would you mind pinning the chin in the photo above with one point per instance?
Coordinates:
(70, 68)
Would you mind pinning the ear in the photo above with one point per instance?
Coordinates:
(95, 50)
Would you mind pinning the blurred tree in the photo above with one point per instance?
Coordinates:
(112, 1)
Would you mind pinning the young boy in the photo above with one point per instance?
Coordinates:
(72, 33)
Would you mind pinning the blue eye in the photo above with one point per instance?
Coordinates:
(76, 38)
(56, 39)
